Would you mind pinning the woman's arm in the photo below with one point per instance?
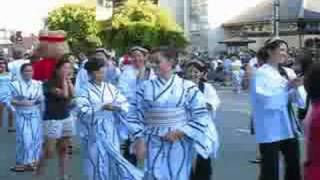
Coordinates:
(71, 90)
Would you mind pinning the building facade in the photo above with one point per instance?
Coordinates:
(299, 21)
(192, 16)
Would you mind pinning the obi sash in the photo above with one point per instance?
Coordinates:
(165, 117)
(28, 108)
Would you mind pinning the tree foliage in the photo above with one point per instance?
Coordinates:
(141, 23)
(80, 24)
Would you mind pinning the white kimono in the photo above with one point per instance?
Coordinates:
(270, 97)
(99, 133)
(161, 107)
(28, 120)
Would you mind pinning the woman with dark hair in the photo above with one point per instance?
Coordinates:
(58, 124)
(196, 71)
(171, 121)
(25, 99)
(274, 89)
(312, 124)
(100, 108)
(304, 62)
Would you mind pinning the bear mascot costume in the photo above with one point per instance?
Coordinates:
(52, 47)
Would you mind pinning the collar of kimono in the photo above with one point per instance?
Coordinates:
(27, 82)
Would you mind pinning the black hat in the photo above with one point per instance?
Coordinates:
(273, 40)
(104, 51)
(197, 64)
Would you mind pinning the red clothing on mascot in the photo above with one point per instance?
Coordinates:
(53, 46)
(43, 70)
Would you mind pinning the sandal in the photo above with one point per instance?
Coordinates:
(11, 130)
(256, 161)
(31, 167)
(18, 168)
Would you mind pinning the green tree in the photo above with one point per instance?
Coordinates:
(141, 22)
(80, 24)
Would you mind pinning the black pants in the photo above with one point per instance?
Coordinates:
(270, 153)
(203, 169)
(126, 153)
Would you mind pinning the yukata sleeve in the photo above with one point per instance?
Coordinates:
(81, 81)
(298, 95)
(123, 84)
(197, 128)
(135, 116)
(212, 97)
(83, 107)
(9, 97)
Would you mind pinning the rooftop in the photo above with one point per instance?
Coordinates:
(290, 10)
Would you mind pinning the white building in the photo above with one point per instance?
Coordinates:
(202, 19)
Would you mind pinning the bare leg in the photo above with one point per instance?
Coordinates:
(10, 122)
(63, 156)
(47, 154)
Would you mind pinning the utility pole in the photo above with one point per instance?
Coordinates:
(186, 17)
(276, 17)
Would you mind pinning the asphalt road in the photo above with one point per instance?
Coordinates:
(237, 145)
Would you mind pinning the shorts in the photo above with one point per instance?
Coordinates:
(57, 129)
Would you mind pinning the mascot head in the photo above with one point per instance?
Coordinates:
(53, 44)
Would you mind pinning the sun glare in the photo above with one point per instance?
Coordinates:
(221, 11)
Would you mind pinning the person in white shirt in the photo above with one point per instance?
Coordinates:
(274, 89)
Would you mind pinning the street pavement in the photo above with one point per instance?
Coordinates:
(237, 145)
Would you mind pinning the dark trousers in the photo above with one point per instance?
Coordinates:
(270, 153)
(203, 169)
(127, 155)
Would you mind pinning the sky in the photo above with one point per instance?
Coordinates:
(26, 15)
(223, 10)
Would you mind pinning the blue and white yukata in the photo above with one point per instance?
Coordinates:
(100, 136)
(164, 106)
(5, 80)
(128, 85)
(112, 75)
(28, 120)
(82, 78)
